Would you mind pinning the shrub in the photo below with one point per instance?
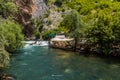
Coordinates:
(13, 35)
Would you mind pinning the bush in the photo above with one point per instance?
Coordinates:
(7, 8)
(58, 3)
(101, 33)
(10, 39)
(13, 35)
(4, 58)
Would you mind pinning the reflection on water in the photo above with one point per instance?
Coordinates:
(43, 63)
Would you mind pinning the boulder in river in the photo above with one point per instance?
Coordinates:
(7, 77)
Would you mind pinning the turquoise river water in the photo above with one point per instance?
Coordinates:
(43, 63)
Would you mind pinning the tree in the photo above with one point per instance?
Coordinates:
(13, 35)
(10, 31)
(4, 58)
(101, 32)
(10, 39)
(7, 8)
(73, 25)
(116, 27)
(4, 55)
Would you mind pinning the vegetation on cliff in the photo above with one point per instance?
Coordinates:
(101, 21)
(7, 8)
(10, 31)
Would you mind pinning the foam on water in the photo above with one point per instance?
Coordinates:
(34, 43)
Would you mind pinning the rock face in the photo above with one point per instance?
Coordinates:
(28, 9)
(25, 9)
(41, 8)
(53, 20)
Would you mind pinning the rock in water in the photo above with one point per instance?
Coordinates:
(7, 77)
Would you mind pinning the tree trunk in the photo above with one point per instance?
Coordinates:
(75, 45)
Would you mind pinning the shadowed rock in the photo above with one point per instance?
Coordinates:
(7, 77)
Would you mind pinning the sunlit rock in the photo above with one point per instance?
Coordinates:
(68, 71)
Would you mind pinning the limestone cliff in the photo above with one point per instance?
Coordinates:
(28, 9)
(41, 8)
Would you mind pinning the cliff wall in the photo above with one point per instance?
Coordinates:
(28, 9)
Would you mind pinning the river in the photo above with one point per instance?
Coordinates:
(43, 63)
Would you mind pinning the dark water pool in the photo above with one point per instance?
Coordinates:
(43, 63)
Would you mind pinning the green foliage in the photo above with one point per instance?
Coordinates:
(10, 39)
(37, 35)
(50, 33)
(58, 2)
(103, 32)
(7, 8)
(115, 25)
(38, 24)
(12, 34)
(10, 31)
(73, 24)
(101, 18)
(75, 5)
(4, 58)
(51, 1)
(85, 7)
